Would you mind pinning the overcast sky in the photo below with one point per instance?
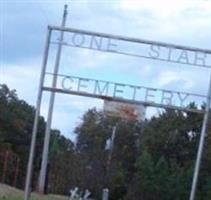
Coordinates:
(23, 30)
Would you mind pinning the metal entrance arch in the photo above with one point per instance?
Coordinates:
(113, 44)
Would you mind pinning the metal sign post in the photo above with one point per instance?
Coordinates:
(111, 148)
(201, 144)
(42, 178)
(36, 119)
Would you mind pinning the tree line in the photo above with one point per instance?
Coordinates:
(151, 160)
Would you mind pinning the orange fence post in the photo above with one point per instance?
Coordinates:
(5, 166)
(16, 172)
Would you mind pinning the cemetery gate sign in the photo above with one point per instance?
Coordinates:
(117, 91)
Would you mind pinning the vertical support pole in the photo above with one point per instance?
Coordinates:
(6, 157)
(42, 177)
(108, 164)
(112, 145)
(36, 119)
(105, 195)
(201, 145)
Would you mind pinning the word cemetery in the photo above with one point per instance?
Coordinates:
(124, 92)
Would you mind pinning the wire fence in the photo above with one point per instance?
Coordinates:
(9, 168)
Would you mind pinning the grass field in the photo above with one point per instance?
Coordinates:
(10, 193)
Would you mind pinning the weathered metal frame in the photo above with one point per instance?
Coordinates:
(107, 97)
(43, 171)
(53, 90)
(134, 40)
(129, 39)
(27, 190)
